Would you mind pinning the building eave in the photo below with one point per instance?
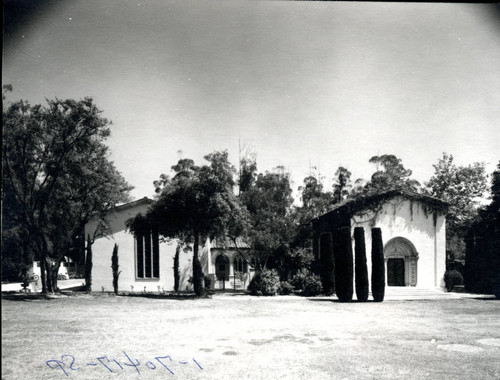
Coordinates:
(138, 202)
(353, 206)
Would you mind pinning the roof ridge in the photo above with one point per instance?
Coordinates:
(365, 200)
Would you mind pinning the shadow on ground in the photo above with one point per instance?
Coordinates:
(25, 296)
(18, 296)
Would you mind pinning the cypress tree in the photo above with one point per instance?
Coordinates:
(198, 276)
(378, 266)
(327, 263)
(176, 268)
(343, 265)
(361, 271)
(114, 268)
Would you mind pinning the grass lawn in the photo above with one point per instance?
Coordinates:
(243, 337)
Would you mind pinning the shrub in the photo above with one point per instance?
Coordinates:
(343, 265)
(208, 282)
(452, 278)
(361, 271)
(285, 288)
(73, 274)
(312, 286)
(378, 266)
(265, 282)
(327, 271)
(299, 279)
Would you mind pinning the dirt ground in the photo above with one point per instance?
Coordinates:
(242, 337)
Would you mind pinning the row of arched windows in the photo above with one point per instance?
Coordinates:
(222, 266)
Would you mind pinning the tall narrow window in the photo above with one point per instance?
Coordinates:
(147, 254)
(140, 254)
(240, 264)
(156, 253)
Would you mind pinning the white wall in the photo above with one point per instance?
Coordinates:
(231, 255)
(102, 249)
(401, 217)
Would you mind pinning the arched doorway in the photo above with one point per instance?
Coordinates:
(222, 269)
(401, 262)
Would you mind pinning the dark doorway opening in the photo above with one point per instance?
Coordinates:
(222, 269)
(396, 272)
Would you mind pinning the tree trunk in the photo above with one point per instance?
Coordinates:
(48, 268)
(88, 266)
(41, 246)
(197, 271)
(42, 273)
(52, 273)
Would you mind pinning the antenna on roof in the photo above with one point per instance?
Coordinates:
(239, 164)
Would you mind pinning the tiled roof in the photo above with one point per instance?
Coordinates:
(218, 243)
(352, 206)
(138, 202)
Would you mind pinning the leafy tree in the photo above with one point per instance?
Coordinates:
(248, 172)
(56, 177)
(195, 202)
(315, 201)
(269, 203)
(342, 184)
(89, 192)
(16, 254)
(314, 198)
(462, 187)
(482, 261)
(391, 174)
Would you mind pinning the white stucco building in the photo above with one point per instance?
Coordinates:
(413, 232)
(146, 261)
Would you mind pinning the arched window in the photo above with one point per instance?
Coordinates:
(240, 264)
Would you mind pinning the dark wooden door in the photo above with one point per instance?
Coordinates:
(396, 272)
(222, 268)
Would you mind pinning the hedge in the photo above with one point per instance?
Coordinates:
(343, 265)
(378, 266)
(361, 271)
(327, 273)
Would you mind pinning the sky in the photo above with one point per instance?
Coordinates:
(310, 86)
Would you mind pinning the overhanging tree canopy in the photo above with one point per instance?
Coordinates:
(56, 176)
(197, 201)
